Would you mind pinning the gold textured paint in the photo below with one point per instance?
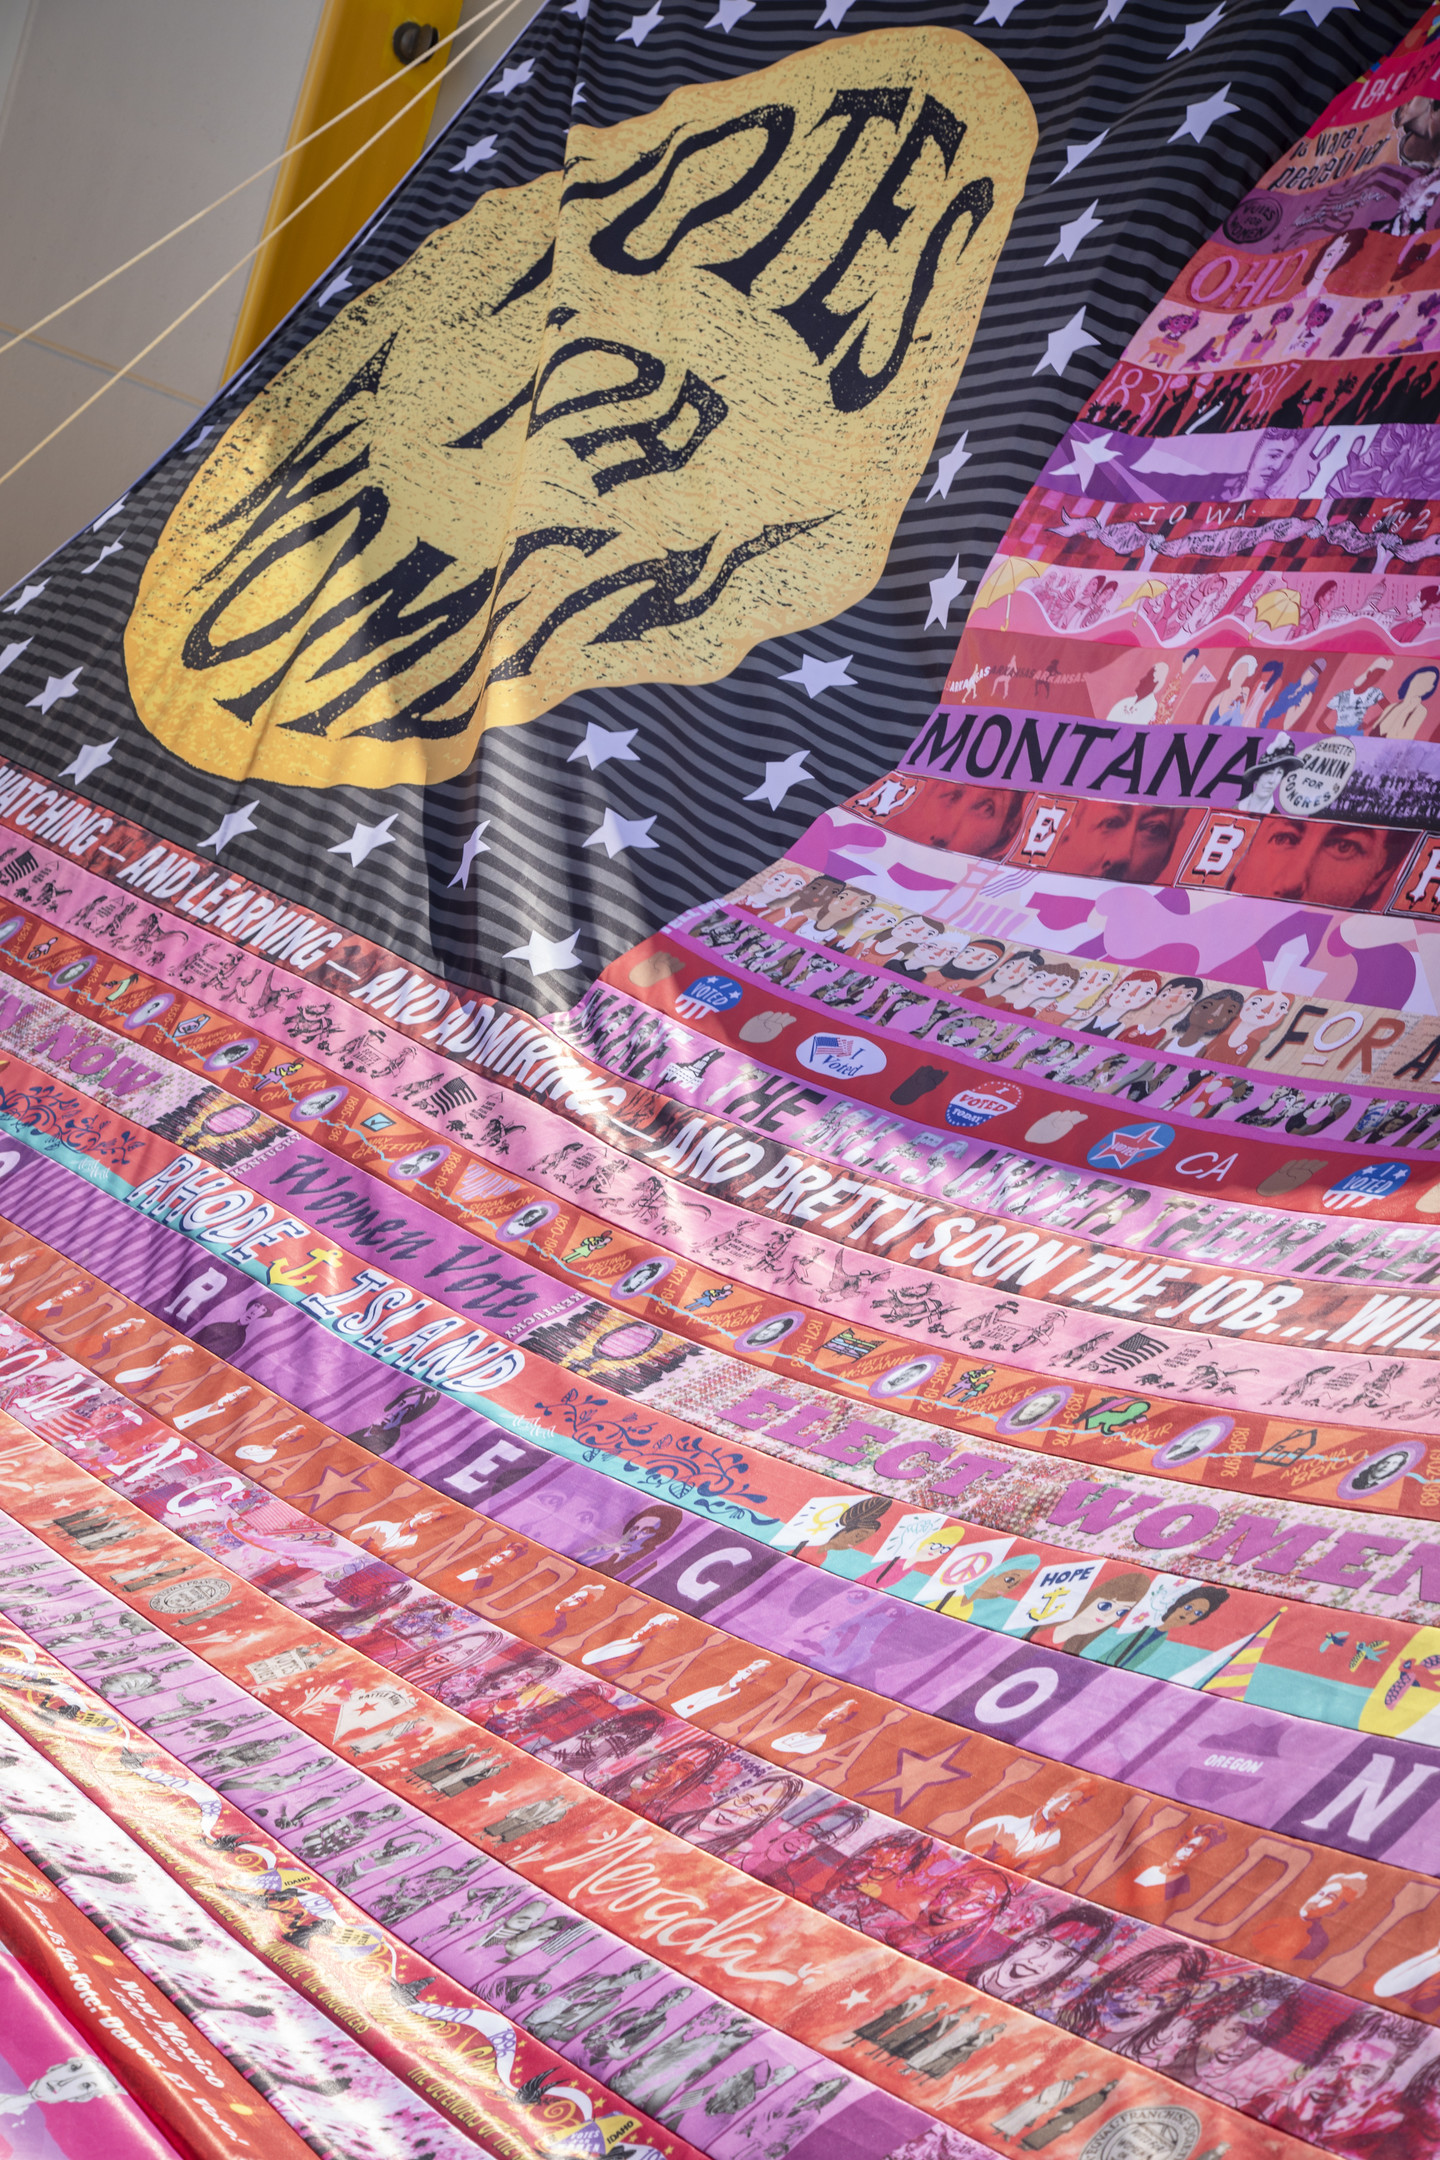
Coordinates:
(497, 478)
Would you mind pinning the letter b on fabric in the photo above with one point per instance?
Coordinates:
(615, 426)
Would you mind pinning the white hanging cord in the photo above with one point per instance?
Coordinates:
(240, 186)
(146, 350)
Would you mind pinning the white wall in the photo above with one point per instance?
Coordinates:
(119, 118)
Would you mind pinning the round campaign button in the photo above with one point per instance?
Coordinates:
(974, 1105)
(708, 993)
(1253, 219)
(1318, 778)
(843, 1057)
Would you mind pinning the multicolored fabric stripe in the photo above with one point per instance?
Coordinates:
(826, 1549)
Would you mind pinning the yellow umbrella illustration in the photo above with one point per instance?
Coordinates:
(1280, 609)
(1152, 589)
(1148, 589)
(1005, 580)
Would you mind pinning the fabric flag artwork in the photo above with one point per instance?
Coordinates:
(719, 1324)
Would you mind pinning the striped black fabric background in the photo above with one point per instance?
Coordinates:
(1090, 67)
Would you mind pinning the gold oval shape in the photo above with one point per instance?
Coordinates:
(618, 425)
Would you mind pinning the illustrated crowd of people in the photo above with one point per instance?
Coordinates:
(1139, 1006)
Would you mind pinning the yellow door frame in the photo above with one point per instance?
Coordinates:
(354, 49)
